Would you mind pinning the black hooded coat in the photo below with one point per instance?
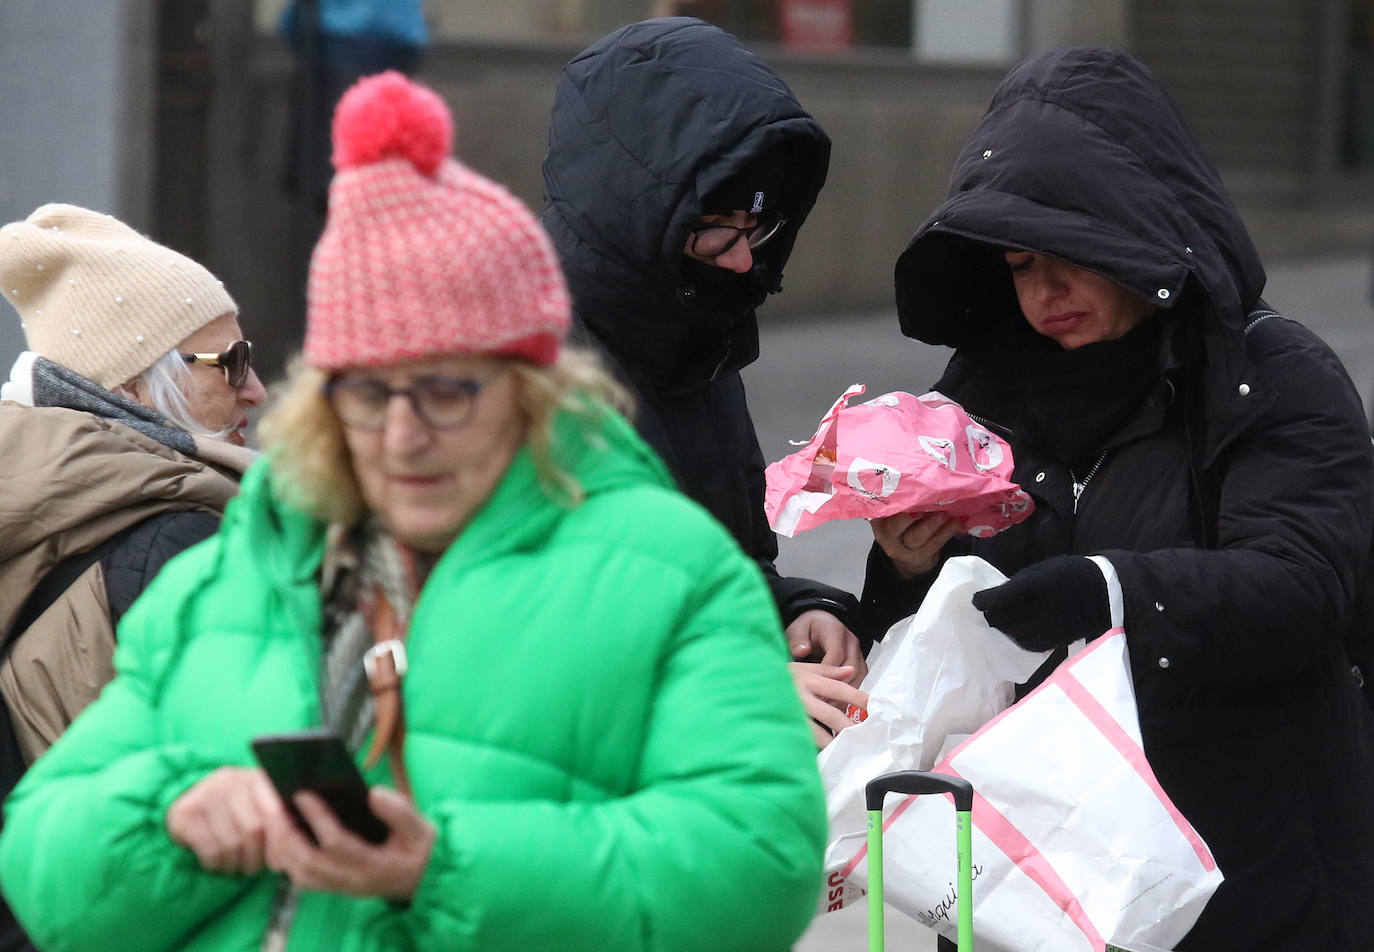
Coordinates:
(646, 123)
(1234, 498)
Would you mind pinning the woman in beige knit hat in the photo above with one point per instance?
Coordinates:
(122, 425)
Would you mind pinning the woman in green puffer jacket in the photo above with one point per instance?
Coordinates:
(595, 743)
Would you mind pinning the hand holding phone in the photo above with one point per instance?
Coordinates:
(218, 818)
(316, 760)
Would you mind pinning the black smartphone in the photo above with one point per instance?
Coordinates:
(316, 760)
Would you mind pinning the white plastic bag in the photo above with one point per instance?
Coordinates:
(939, 673)
(1074, 842)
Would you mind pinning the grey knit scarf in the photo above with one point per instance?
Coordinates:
(53, 385)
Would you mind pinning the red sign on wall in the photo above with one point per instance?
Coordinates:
(817, 24)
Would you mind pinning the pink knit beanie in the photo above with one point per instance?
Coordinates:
(422, 257)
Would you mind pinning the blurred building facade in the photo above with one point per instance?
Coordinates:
(173, 114)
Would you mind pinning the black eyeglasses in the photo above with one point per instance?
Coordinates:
(236, 362)
(441, 403)
(712, 241)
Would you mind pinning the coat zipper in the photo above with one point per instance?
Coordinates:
(1003, 431)
(1079, 486)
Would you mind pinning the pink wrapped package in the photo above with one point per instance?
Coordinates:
(896, 453)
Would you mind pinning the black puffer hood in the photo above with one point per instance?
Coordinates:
(1084, 156)
(646, 123)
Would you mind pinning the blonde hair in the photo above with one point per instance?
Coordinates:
(312, 467)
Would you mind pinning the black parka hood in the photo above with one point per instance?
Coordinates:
(646, 123)
(1082, 155)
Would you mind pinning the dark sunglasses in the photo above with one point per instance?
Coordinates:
(236, 362)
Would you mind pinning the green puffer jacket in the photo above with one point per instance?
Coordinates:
(600, 724)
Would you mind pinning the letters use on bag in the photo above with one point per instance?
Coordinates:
(1075, 844)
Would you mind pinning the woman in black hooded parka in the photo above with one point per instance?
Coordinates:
(1103, 298)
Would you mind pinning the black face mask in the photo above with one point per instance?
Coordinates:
(721, 290)
(711, 331)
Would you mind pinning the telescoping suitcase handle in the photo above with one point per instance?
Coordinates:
(919, 782)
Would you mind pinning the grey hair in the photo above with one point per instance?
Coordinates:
(163, 383)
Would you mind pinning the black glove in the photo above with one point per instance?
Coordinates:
(1049, 604)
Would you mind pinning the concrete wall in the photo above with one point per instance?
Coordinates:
(1076, 22)
(897, 129)
(75, 110)
(1247, 73)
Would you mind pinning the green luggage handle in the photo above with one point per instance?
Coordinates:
(919, 782)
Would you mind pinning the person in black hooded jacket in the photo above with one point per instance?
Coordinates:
(679, 170)
(1194, 458)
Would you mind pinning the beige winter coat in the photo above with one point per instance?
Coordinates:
(69, 481)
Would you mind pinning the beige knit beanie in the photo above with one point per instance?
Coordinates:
(99, 298)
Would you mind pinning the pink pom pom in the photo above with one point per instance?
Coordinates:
(388, 115)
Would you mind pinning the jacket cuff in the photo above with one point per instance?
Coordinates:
(797, 595)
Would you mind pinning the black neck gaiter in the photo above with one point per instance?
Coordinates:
(1076, 400)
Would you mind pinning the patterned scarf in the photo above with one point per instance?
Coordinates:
(363, 566)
